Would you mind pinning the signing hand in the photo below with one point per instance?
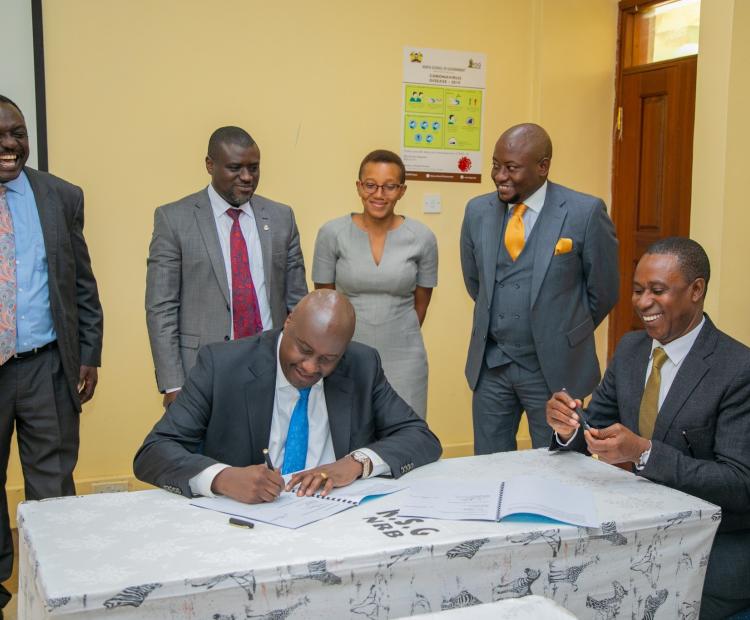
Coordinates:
(88, 376)
(338, 474)
(616, 444)
(252, 485)
(561, 415)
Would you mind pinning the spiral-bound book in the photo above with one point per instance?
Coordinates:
(292, 512)
(493, 500)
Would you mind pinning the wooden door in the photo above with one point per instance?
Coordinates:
(652, 168)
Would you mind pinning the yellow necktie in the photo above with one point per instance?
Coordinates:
(650, 401)
(515, 232)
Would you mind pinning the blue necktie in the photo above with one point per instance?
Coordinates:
(295, 451)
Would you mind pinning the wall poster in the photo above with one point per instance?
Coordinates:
(443, 96)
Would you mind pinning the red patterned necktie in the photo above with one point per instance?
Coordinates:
(245, 310)
(7, 282)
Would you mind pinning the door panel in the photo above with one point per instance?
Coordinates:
(653, 168)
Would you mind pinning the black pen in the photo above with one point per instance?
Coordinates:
(581, 416)
(237, 522)
(267, 457)
(687, 441)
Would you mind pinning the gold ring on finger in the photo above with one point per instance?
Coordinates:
(324, 475)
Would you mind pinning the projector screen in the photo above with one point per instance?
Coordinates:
(22, 78)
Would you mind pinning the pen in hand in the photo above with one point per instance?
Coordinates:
(581, 416)
(267, 458)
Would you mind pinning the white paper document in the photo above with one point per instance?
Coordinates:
(494, 500)
(292, 512)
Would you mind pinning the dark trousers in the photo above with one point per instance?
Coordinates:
(727, 587)
(501, 396)
(35, 399)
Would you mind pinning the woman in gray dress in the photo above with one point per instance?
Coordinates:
(386, 264)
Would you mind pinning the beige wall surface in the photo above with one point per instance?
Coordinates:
(135, 88)
(720, 218)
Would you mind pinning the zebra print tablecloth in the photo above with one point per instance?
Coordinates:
(151, 555)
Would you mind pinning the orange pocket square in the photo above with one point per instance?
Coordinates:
(563, 246)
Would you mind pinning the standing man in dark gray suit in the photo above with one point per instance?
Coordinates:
(540, 262)
(320, 404)
(50, 325)
(675, 405)
(223, 263)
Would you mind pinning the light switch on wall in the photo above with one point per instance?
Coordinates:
(431, 203)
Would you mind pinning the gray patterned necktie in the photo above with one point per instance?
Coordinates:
(7, 281)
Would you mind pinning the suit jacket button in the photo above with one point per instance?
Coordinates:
(226, 337)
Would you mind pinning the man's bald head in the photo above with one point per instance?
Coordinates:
(327, 311)
(531, 137)
(315, 337)
(520, 163)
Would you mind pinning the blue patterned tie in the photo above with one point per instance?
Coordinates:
(295, 451)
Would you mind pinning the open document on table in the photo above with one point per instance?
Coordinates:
(494, 500)
(292, 512)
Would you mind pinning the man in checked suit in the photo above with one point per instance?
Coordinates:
(223, 263)
(675, 403)
(244, 396)
(50, 325)
(540, 262)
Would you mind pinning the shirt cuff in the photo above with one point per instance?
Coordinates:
(567, 443)
(641, 464)
(379, 466)
(170, 390)
(200, 484)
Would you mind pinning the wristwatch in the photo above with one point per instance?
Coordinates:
(643, 459)
(362, 458)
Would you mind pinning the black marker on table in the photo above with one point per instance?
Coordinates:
(237, 522)
(267, 458)
(581, 416)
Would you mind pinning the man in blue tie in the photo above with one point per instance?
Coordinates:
(319, 402)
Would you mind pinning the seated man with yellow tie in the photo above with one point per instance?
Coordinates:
(317, 401)
(675, 405)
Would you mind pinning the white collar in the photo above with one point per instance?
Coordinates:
(535, 202)
(220, 206)
(678, 349)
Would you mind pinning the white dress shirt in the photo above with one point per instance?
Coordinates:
(676, 351)
(535, 202)
(254, 254)
(319, 443)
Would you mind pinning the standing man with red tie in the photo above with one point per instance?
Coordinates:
(224, 263)
(51, 325)
(540, 262)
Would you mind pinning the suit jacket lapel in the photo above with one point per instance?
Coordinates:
(48, 208)
(260, 392)
(492, 228)
(339, 391)
(693, 367)
(263, 224)
(207, 226)
(547, 227)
